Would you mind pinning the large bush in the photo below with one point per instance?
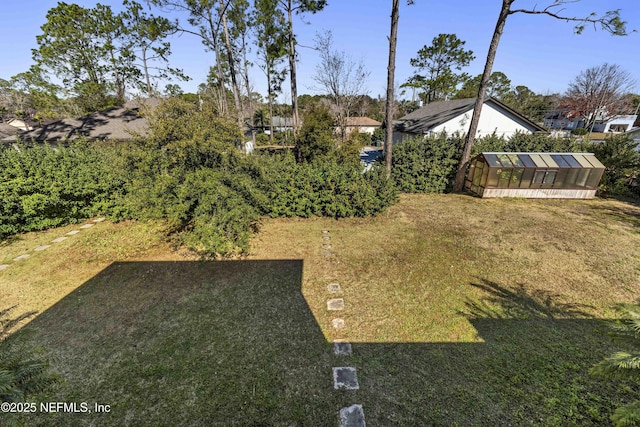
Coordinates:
(189, 173)
(426, 164)
(42, 187)
(622, 161)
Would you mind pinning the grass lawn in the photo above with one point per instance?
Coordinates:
(461, 311)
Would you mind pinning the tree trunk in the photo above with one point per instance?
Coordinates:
(248, 87)
(232, 67)
(270, 96)
(292, 74)
(391, 69)
(216, 50)
(482, 90)
(146, 70)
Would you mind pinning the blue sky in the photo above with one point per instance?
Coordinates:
(536, 51)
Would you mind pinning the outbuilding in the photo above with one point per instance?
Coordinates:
(535, 175)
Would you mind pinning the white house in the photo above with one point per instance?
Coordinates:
(562, 119)
(454, 117)
(621, 123)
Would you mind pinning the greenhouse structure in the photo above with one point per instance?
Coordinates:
(535, 175)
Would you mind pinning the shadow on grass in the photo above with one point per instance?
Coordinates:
(531, 368)
(190, 343)
(234, 343)
(627, 213)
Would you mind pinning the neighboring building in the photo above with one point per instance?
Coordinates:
(535, 175)
(563, 120)
(19, 124)
(362, 124)
(280, 124)
(120, 124)
(454, 117)
(8, 133)
(616, 124)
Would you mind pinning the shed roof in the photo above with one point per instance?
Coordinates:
(542, 160)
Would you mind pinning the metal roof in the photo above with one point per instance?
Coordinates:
(542, 160)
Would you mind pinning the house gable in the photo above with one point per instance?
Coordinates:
(455, 117)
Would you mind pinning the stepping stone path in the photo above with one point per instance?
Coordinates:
(353, 416)
(335, 304)
(333, 287)
(345, 377)
(337, 323)
(342, 349)
(57, 240)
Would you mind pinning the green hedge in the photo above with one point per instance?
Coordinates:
(42, 187)
(428, 164)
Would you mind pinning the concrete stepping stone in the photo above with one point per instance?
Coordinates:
(342, 349)
(327, 254)
(337, 323)
(326, 246)
(99, 219)
(325, 231)
(326, 238)
(333, 287)
(42, 248)
(72, 232)
(4, 266)
(335, 304)
(352, 416)
(86, 226)
(59, 239)
(21, 257)
(345, 378)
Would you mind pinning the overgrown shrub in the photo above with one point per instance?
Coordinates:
(42, 187)
(325, 187)
(317, 138)
(426, 165)
(189, 173)
(619, 155)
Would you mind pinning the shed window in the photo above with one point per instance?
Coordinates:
(538, 177)
(549, 177)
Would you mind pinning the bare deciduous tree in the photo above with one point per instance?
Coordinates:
(340, 77)
(599, 93)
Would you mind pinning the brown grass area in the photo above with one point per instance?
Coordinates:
(462, 311)
(406, 274)
(46, 277)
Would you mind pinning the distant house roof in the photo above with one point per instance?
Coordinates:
(437, 113)
(115, 123)
(282, 122)
(362, 121)
(8, 133)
